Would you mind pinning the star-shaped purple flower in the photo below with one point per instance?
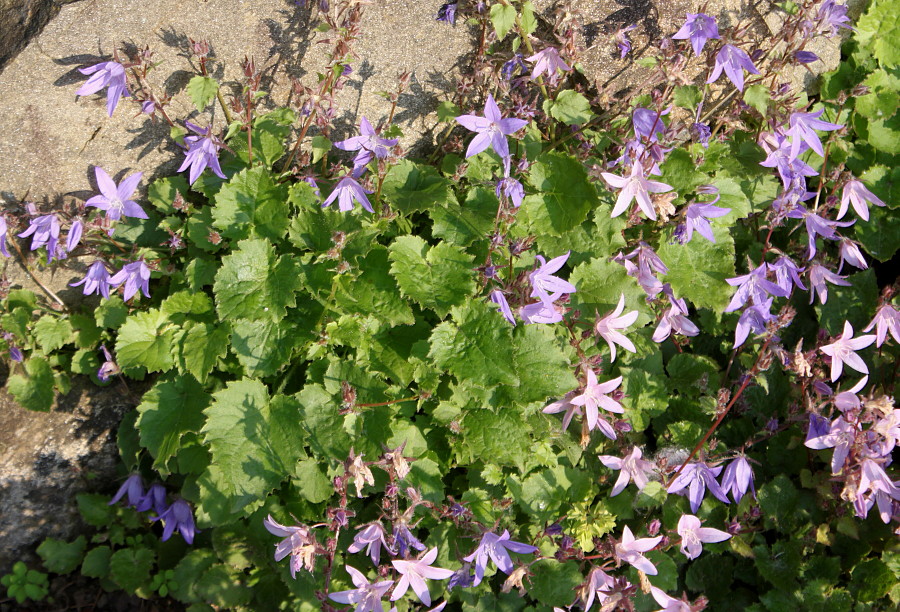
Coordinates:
(414, 573)
(367, 143)
(366, 596)
(693, 536)
(543, 283)
(697, 218)
(818, 274)
(492, 129)
(738, 478)
(754, 318)
(46, 233)
(595, 396)
(202, 152)
(855, 193)
(733, 61)
(630, 550)
(631, 467)
(346, 191)
(886, 319)
(135, 275)
(298, 542)
(548, 62)
(636, 186)
(105, 74)
(843, 350)
(496, 548)
(178, 517)
(607, 328)
(694, 480)
(95, 281)
(803, 130)
(699, 28)
(113, 199)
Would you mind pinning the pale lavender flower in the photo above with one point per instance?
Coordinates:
(649, 264)
(346, 191)
(697, 218)
(787, 274)
(133, 487)
(733, 61)
(492, 129)
(694, 481)
(96, 280)
(595, 396)
(447, 13)
(830, 17)
(607, 328)
(883, 490)
(669, 604)
(154, 499)
(178, 517)
(105, 74)
(372, 539)
(367, 143)
(202, 152)
(298, 542)
(843, 351)
(599, 585)
(817, 226)
(404, 539)
(848, 400)
(496, 548)
(75, 232)
(542, 311)
(543, 283)
(849, 252)
(753, 286)
(46, 233)
(699, 28)
(564, 405)
(499, 299)
(701, 132)
(547, 62)
(630, 550)
(136, 276)
(693, 536)
(623, 42)
(838, 435)
(754, 318)
(886, 319)
(803, 129)
(818, 274)
(461, 578)
(631, 467)
(635, 187)
(113, 199)
(366, 596)
(3, 230)
(855, 193)
(512, 189)
(738, 478)
(791, 168)
(414, 573)
(648, 124)
(675, 320)
(109, 367)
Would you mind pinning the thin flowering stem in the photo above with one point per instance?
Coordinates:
(396, 401)
(37, 281)
(219, 96)
(822, 181)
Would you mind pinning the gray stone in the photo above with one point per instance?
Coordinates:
(20, 21)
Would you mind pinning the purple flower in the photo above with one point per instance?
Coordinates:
(3, 230)
(701, 133)
(496, 548)
(599, 585)
(404, 539)
(203, 152)
(838, 435)
(787, 274)
(111, 74)
(109, 366)
(498, 298)
(512, 67)
(447, 13)
(367, 143)
(803, 129)
(607, 328)
(46, 233)
(817, 226)
(697, 219)
(594, 396)
(849, 252)
(805, 57)
(566, 405)
(886, 319)
(492, 129)
(848, 400)
(635, 187)
(298, 542)
(753, 286)
(74, 236)
(346, 191)
(133, 487)
(648, 123)
(830, 17)
(754, 318)
(623, 42)
(733, 61)
(631, 467)
(135, 275)
(873, 478)
(96, 280)
(693, 535)
(669, 604)
(818, 274)
(694, 480)
(114, 199)
(366, 596)
(544, 283)
(547, 62)
(843, 351)
(512, 189)
(699, 28)
(542, 311)
(154, 499)
(738, 478)
(674, 319)
(414, 573)
(178, 517)
(630, 550)
(461, 578)
(372, 539)
(855, 193)
(15, 353)
(791, 169)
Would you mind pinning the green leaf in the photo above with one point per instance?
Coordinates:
(253, 283)
(438, 277)
(600, 282)
(564, 198)
(95, 509)
(147, 339)
(553, 582)
(52, 333)
(264, 347)
(130, 567)
(252, 204)
(698, 269)
(758, 97)
(880, 237)
(855, 303)
(778, 500)
(34, 391)
(544, 493)
(312, 482)
(503, 437)
(87, 334)
(223, 587)
(171, 408)
(879, 28)
(680, 171)
(162, 192)
(323, 423)
(447, 111)
(254, 443)
(692, 375)
(503, 17)
(409, 187)
(202, 89)
(528, 21)
(96, 562)
(543, 368)
(62, 557)
(464, 224)
(373, 291)
(687, 96)
(201, 346)
(779, 563)
(320, 146)
(571, 107)
(476, 346)
(871, 580)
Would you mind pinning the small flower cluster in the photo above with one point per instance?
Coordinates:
(176, 517)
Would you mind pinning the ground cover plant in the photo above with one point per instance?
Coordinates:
(589, 352)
